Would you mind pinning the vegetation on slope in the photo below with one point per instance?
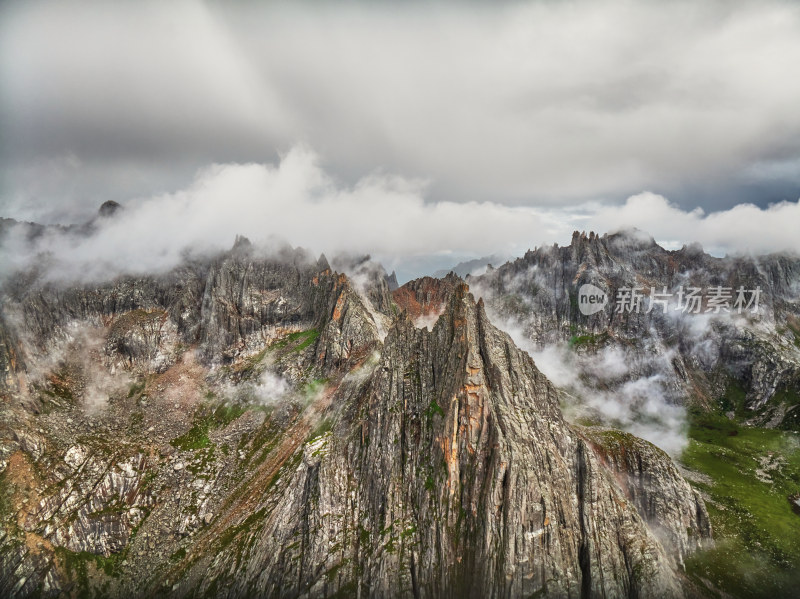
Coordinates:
(748, 476)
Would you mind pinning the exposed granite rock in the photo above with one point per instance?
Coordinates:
(96, 505)
(450, 472)
(144, 340)
(426, 297)
(709, 352)
(276, 428)
(350, 331)
(674, 511)
(109, 209)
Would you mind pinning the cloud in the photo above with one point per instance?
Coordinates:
(621, 389)
(545, 103)
(388, 216)
(614, 386)
(296, 200)
(639, 387)
(79, 348)
(270, 388)
(744, 227)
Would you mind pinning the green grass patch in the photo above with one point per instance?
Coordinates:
(312, 388)
(752, 473)
(304, 339)
(734, 399)
(297, 341)
(433, 409)
(179, 555)
(291, 343)
(590, 340)
(77, 565)
(249, 364)
(193, 439)
(325, 425)
(618, 442)
(197, 436)
(225, 414)
(791, 400)
(136, 389)
(229, 535)
(263, 442)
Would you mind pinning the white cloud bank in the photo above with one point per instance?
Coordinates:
(298, 201)
(742, 228)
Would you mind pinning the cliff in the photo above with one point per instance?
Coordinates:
(261, 426)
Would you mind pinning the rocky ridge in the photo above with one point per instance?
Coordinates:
(255, 425)
(699, 357)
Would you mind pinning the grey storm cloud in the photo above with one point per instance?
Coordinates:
(544, 106)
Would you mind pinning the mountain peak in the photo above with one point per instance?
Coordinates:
(631, 237)
(109, 208)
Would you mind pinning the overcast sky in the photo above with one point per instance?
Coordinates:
(511, 123)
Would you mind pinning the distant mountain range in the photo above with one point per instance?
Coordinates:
(472, 267)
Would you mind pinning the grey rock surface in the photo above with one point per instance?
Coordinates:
(696, 355)
(264, 426)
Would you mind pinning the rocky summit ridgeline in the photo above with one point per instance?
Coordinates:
(705, 327)
(263, 426)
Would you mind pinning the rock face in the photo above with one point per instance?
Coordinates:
(427, 297)
(252, 426)
(650, 480)
(109, 208)
(697, 356)
(98, 505)
(9, 359)
(450, 472)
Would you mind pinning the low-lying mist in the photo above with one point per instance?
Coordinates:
(634, 388)
(616, 388)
